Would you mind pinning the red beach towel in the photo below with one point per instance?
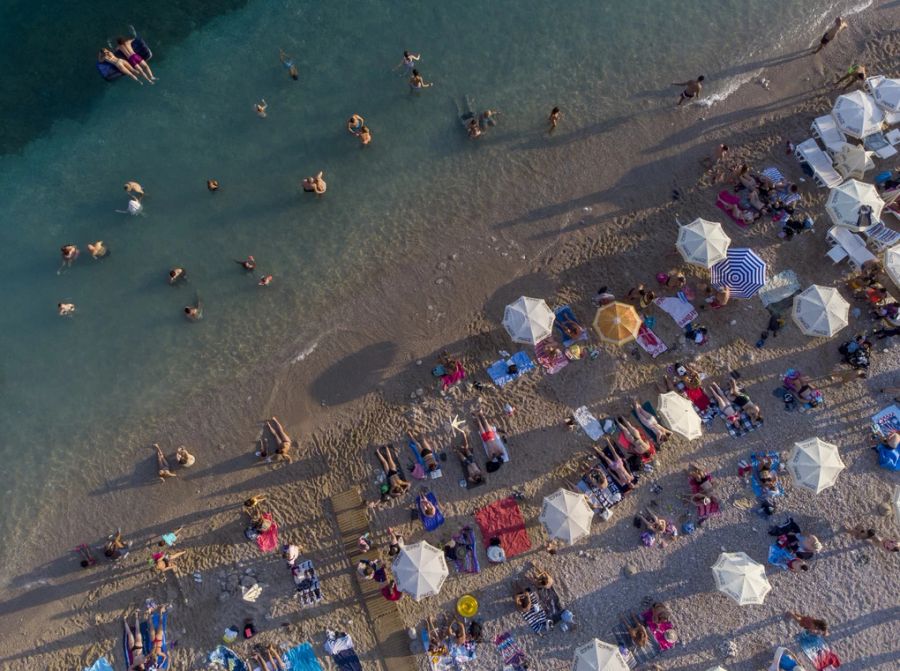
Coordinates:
(268, 539)
(698, 398)
(502, 519)
(704, 510)
(728, 197)
(650, 342)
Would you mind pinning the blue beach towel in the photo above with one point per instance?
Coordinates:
(498, 371)
(430, 523)
(302, 658)
(414, 448)
(779, 557)
(754, 479)
(161, 662)
(228, 659)
(888, 458)
(565, 314)
(100, 665)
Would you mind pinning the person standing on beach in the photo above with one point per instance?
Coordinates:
(553, 120)
(692, 89)
(855, 75)
(838, 25)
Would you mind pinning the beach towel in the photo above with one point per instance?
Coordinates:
(601, 499)
(747, 424)
(755, 482)
(731, 199)
(227, 659)
(502, 519)
(100, 665)
(681, 311)
(658, 630)
(888, 458)
(778, 556)
(462, 654)
(818, 651)
(433, 522)
(499, 370)
(302, 658)
(774, 174)
(588, 423)
(510, 652)
(500, 442)
(342, 652)
(637, 656)
(886, 421)
(161, 662)
(650, 342)
(551, 362)
(565, 314)
(267, 541)
(469, 563)
(702, 404)
(458, 374)
(536, 618)
(704, 510)
(307, 581)
(435, 474)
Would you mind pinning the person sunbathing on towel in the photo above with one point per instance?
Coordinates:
(424, 450)
(397, 485)
(570, 327)
(651, 522)
(492, 443)
(284, 440)
(800, 387)
(595, 477)
(747, 216)
(523, 597)
(156, 637)
(616, 465)
(639, 447)
(731, 413)
(768, 477)
(742, 401)
(473, 470)
(135, 643)
(660, 433)
(427, 508)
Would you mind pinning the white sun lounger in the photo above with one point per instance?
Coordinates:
(855, 246)
(881, 237)
(825, 128)
(823, 171)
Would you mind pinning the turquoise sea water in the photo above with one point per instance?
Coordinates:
(67, 386)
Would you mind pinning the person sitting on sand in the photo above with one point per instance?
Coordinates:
(123, 66)
(648, 419)
(639, 447)
(425, 451)
(493, 444)
(397, 485)
(660, 614)
(650, 521)
(164, 470)
(165, 561)
(288, 63)
(730, 412)
(283, 451)
(114, 546)
(616, 465)
(640, 295)
(315, 184)
(746, 178)
(395, 543)
(602, 297)
(273, 658)
(541, 578)
(473, 470)
(524, 598)
(692, 89)
(457, 631)
(135, 60)
(184, 458)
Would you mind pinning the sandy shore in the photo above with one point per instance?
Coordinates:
(607, 217)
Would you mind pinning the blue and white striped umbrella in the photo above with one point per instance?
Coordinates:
(742, 271)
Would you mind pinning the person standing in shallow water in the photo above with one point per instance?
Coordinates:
(838, 25)
(553, 120)
(692, 89)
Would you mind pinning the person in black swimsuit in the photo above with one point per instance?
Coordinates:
(398, 486)
(692, 89)
(425, 451)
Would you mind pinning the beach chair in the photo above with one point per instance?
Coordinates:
(879, 145)
(825, 129)
(880, 236)
(818, 163)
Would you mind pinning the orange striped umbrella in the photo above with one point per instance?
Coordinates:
(617, 323)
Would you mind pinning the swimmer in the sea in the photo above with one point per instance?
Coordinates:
(212, 184)
(365, 136)
(315, 184)
(194, 312)
(261, 108)
(692, 89)
(135, 189)
(409, 61)
(355, 124)
(288, 62)
(265, 280)
(97, 249)
(177, 275)
(247, 264)
(65, 309)
(416, 83)
(69, 253)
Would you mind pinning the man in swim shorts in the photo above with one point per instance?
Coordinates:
(692, 89)
(838, 25)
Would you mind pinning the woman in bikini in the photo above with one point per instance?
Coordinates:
(397, 485)
(107, 56)
(135, 60)
(616, 465)
(135, 644)
(660, 433)
(742, 401)
(284, 440)
(157, 654)
(416, 83)
(425, 451)
(428, 509)
(164, 470)
(730, 411)
(473, 470)
(639, 447)
(492, 442)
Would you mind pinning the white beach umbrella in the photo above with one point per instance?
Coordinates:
(598, 656)
(420, 570)
(853, 161)
(528, 320)
(815, 464)
(892, 263)
(703, 243)
(741, 578)
(820, 311)
(566, 516)
(857, 114)
(845, 200)
(717, 668)
(679, 414)
(887, 94)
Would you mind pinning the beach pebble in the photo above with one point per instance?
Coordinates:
(439, 280)
(418, 362)
(884, 509)
(454, 256)
(442, 265)
(630, 570)
(420, 392)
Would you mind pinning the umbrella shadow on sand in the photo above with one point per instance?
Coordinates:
(355, 375)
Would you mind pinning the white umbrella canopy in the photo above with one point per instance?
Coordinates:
(598, 656)
(857, 114)
(566, 516)
(845, 200)
(703, 243)
(420, 570)
(679, 414)
(741, 578)
(815, 464)
(717, 668)
(887, 94)
(528, 320)
(892, 263)
(820, 311)
(853, 161)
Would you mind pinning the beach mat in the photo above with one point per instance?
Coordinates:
(588, 423)
(512, 655)
(267, 541)
(227, 659)
(552, 363)
(650, 342)
(469, 564)
(430, 523)
(731, 199)
(779, 557)
(100, 665)
(886, 421)
(342, 652)
(503, 519)
(682, 312)
(818, 651)
(302, 658)
(307, 581)
(499, 370)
